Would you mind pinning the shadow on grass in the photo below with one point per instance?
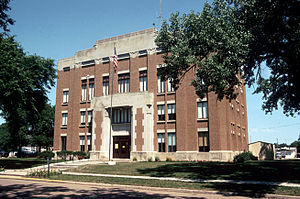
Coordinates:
(40, 190)
(21, 163)
(272, 171)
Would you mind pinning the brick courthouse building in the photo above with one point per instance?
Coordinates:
(149, 118)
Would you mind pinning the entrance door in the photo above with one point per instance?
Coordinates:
(121, 146)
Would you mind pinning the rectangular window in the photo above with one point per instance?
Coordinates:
(203, 141)
(171, 112)
(82, 143)
(82, 117)
(89, 141)
(63, 143)
(160, 85)
(161, 112)
(124, 83)
(90, 117)
(161, 142)
(65, 97)
(172, 142)
(143, 80)
(106, 85)
(83, 90)
(64, 119)
(202, 110)
(91, 89)
(170, 87)
(121, 115)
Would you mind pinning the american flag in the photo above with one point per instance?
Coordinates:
(115, 60)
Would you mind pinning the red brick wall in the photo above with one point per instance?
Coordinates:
(221, 115)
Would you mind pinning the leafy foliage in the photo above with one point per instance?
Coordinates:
(232, 39)
(43, 132)
(211, 42)
(46, 154)
(5, 20)
(245, 156)
(24, 82)
(5, 140)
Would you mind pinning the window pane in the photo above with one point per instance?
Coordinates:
(205, 112)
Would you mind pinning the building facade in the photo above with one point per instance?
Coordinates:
(149, 118)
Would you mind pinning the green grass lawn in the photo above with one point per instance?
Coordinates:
(22, 163)
(225, 188)
(274, 171)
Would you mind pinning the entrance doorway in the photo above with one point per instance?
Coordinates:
(121, 146)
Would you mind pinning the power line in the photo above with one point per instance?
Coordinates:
(287, 125)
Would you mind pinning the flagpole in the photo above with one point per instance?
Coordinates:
(111, 97)
(115, 66)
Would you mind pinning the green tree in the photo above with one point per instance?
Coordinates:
(5, 20)
(296, 143)
(5, 139)
(229, 39)
(43, 130)
(24, 82)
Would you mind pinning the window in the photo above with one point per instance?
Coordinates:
(161, 142)
(82, 143)
(89, 141)
(90, 117)
(91, 89)
(65, 97)
(83, 90)
(171, 112)
(170, 87)
(143, 80)
(161, 112)
(160, 85)
(121, 115)
(88, 63)
(124, 83)
(203, 141)
(64, 119)
(202, 110)
(63, 143)
(82, 117)
(172, 142)
(106, 85)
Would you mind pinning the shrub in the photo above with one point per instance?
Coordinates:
(150, 159)
(80, 154)
(245, 156)
(43, 173)
(169, 159)
(157, 159)
(62, 154)
(1, 169)
(46, 154)
(134, 159)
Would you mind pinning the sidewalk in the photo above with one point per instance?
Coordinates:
(60, 165)
(73, 164)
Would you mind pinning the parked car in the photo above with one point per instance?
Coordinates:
(28, 153)
(3, 154)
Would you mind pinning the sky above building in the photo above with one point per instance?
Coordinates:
(56, 29)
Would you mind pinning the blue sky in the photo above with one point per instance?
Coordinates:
(58, 28)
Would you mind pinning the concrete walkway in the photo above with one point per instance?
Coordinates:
(60, 166)
(73, 164)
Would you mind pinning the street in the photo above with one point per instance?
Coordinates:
(14, 187)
